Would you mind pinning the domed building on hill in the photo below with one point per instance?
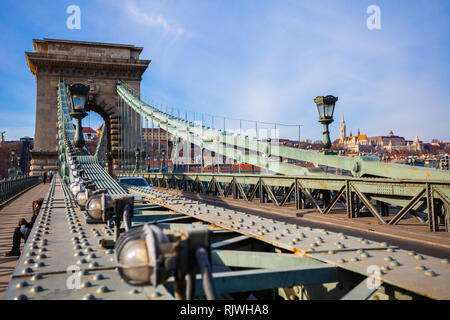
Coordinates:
(389, 143)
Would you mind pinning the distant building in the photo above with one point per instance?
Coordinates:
(2, 137)
(389, 143)
(21, 159)
(147, 134)
(89, 134)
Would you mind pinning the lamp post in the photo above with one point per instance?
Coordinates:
(12, 170)
(325, 107)
(79, 94)
(19, 169)
(163, 160)
(136, 155)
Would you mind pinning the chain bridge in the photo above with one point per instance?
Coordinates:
(342, 228)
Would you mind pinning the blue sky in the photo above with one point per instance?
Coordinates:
(261, 60)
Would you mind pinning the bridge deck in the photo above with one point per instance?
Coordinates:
(408, 235)
(10, 215)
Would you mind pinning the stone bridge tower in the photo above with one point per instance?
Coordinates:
(99, 65)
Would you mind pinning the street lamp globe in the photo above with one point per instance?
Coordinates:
(325, 107)
(78, 93)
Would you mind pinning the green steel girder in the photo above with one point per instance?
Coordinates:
(202, 138)
(215, 140)
(361, 292)
(255, 280)
(394, 191)
(266, 260)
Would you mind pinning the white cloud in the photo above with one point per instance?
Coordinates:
(154, 20)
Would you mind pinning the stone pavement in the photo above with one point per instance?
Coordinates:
(10, 215)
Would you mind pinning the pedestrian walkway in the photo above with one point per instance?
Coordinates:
(10, 215)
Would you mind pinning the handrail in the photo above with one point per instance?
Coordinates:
(9, 188)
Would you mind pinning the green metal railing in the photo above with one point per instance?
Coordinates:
(264, 154)
(432, 197)
(9, 188)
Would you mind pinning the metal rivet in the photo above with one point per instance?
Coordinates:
(83, 273)
(419, 257)
(156, 294)
(395, 264)
(21, 297)
(81, 261)
(36, 289)
(134, 291)
(27, 270)
(421, 268)
(36, 277)
(388, 258)
(102, 289)
(78, 254)
(355, 259)
(29, 261)
(341, 260)
(89, 297)
(22, 284)
(98, 276)
(430, 273)
(93, 265)
(86, 284)
(411, 253)
(385, 268)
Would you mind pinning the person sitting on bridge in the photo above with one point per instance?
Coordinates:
(24, 229)
(21, 232)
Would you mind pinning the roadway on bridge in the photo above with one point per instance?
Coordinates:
(407, 237)
(10, 215)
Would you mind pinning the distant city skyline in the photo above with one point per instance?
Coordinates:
(263, 62)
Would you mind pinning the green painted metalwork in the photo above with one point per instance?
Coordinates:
(62, 237)
(224, 143)
(100, 151)
(250, 259)
(9, 188)
(396, 192)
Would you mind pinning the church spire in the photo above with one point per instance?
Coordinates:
(342, 133)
